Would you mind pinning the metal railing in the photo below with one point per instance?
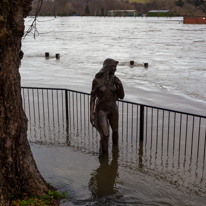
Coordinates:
(144, 122)
(153, 137)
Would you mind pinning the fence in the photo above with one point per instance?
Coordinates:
(150, 137)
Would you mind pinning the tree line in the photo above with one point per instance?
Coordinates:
(101, 7)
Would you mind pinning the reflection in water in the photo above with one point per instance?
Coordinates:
(174, 168)
(102, 182)
(140, 155)
(131, 159)
(172, 152)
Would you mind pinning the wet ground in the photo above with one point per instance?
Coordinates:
(174, 79)
(112, 181)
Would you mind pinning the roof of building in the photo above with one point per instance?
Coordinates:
(158, 10)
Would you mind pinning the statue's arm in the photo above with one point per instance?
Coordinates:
(120, 88)
(92, 100)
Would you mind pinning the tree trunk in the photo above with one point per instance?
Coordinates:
(18, 170)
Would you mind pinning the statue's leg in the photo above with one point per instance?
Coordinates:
(103, 128)
(113, 121)
(103, 145)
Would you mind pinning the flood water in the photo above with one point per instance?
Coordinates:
(134, 174)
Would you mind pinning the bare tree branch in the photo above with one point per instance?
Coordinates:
(33, 25)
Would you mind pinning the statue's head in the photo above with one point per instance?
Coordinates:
(110, 62)
(109, 66)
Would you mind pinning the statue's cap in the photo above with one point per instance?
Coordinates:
(109, 61)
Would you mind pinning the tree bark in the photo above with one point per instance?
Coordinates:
(18, 171)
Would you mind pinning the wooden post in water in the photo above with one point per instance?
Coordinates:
(145, 65)
(47, 55)
(57, 56)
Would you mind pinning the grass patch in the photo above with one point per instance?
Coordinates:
(58, 195)
(42, 201)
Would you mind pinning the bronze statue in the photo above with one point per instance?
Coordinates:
(106, 89)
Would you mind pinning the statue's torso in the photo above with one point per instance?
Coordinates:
(106, 95)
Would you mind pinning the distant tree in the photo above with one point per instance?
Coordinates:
(87, 10)
(142, 8)
(102, 11)
(69, 8)
(180, 3)
(191, 1)
(79, 6)
(200, 5)
(108, 5)
(199, 2)
(95, 7)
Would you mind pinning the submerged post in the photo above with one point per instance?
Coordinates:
(47, 55)
(66, 105)
(57, 56)
(141, 124)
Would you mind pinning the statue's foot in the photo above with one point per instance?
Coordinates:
(115, 138)
(103, 148)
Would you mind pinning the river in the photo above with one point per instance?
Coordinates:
(175, 79)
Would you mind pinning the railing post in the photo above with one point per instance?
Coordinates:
(141, 124)
(66, 105)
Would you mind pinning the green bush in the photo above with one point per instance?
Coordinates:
(46, 14)
(62, 14)
(175, 14)
(160, 14)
